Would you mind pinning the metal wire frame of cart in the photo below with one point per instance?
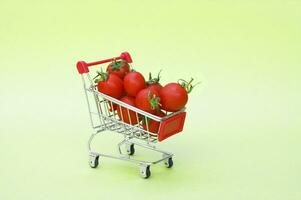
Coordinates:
(103, 113)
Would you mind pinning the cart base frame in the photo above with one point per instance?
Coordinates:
(130, 143)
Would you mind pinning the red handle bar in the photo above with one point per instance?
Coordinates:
(82, 66)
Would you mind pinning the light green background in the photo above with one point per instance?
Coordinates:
(242, 133)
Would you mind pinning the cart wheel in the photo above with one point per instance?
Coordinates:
(130, 149)
(93, 161)
(145, 171)
(168, 162)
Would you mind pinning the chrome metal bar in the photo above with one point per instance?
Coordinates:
(160, 160)
(151, 148)
(114, 121)
(98, 109)
(124, 158)
(121, 143)
(90, 141)
(149, 115)
(87, 98)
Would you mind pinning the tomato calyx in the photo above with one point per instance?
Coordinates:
(187, 85)
(101, 76)
(155, 80)
(116, 65)
(154, 101)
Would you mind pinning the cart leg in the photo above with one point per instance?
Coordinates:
(168, 161)
(145, 171)
(93, 160)
(130, 149)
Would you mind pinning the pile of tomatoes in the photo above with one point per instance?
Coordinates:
(130, 87)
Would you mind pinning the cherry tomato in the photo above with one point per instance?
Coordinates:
(173, 97)
(154, 83)
(155, 86)
(133, 83)
(148, 100)
(153, 126)
(110, 84)
(126, 115)
(119, 68)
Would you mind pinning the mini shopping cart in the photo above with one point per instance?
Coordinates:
(103, 118)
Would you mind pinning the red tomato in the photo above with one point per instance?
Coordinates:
(119, 68)
(173, 97)
(133, 83)
(153, 83)
(155, 86)
(148, 100)
(128, 117)
(115, 105)
(153, 126)
(110, 84)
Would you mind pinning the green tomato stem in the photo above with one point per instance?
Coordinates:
(187, 85)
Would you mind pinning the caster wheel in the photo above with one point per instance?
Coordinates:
(130, 149)
(145, 171)
(168, 163)
(93, 161)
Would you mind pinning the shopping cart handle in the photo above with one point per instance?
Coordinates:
(82, 66)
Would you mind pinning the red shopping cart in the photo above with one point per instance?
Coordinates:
(104, 118)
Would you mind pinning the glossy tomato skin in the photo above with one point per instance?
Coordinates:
(125, 116)
(115, 105)
(155, 86)
(153, 126)
(133, 83)
(173, 97)
(121, 72)
(142, 102)
(113, 86)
